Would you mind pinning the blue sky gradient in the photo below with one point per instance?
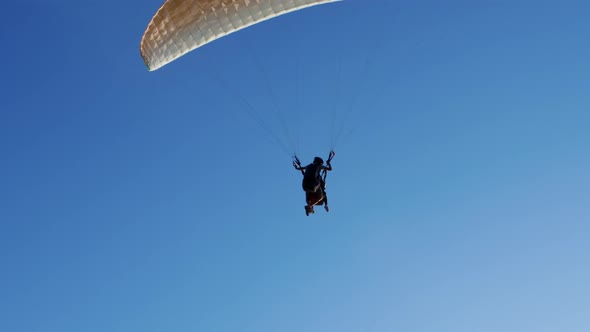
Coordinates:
(154, 201)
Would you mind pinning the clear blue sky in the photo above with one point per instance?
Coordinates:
(153, 201)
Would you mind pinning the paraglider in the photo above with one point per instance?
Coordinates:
(314, 182)
(180, 26)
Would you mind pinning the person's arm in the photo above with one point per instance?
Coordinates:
(297, 167)
(329, 161)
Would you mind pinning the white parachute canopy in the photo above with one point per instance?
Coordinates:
(181, 26)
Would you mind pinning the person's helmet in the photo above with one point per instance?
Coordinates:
(318, 161)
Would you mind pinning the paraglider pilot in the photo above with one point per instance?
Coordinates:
(314, 181)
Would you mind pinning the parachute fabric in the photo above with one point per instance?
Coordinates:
(180, 26)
